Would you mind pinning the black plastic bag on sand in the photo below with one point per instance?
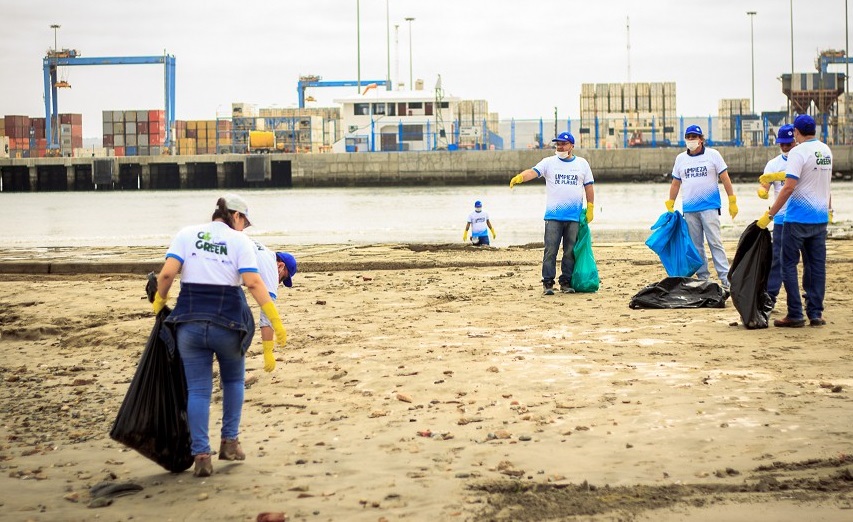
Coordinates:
(680, 292)
(153, 416)
(748, 276)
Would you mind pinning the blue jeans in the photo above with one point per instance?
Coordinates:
(197, 342)
(480, 240)
(810, 240)
(774, 278)
(556, 232)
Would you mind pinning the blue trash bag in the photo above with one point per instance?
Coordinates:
(585, 274)
(670, 240)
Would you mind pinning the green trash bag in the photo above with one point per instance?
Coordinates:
(585, 273)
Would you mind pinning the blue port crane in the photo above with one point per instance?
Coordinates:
(316, 81)
(830, 56)
(71, 57)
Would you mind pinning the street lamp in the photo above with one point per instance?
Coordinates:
(54, 27)
(411, 84)
(358, 43)
(387, 48)
(752, 51)
(790, 101)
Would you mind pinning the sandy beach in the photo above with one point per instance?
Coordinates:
(436, 382)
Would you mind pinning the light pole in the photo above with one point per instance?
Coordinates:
(387, 48)
(358, 43)
(411, 85)
(54, 27)
(790, 100)
(752, 52)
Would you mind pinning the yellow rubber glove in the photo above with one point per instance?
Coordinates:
(518, 179)
(764, 220)
(733, 206)
(762, 193)
(465, 235)
(831, 216)
(275, 321)
(590, 210)
(493, 233)
(770, 177)
(159, 302)
(670, 205)
(269, 358)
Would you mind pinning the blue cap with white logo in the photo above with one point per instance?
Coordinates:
(693, 129)
(565, 136)
(478, 203)
(785, 134)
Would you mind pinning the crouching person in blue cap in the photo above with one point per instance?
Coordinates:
(275, 268)
(478, 222)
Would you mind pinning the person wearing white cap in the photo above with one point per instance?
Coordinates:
(478, 222)
(697, 174)
(568, 180)
(211, 317)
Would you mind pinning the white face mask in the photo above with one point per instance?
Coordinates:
(693, 145)
(561, 154)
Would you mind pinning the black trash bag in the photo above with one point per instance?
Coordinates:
(748, 276)
(680, 292)
(152, 418)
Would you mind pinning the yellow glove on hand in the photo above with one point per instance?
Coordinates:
(670, 205)
(590, 210)
(831, 216)
(269, 358)
(465, 235)
(492, 230)
(764, 220)
(762, 193)
(733, 206)
(516, 180)
(770, 177)
(275, 321)
(159, 302)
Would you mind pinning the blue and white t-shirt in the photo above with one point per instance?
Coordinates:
(565, 180)
(268, 268)
(478, 223)
(699, 176)
(213, 254)
(777, 164)
(810, 163)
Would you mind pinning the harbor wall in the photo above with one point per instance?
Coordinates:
(233, 171)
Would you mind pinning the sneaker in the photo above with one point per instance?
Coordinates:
(785, 322)
(817, 321)
(566, 289)
(548, 288)
(230, 449)
(203, 465)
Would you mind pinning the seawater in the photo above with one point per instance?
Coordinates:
(304, 216)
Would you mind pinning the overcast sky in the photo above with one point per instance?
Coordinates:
(524, 58)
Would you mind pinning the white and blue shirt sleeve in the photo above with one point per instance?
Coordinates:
(777, 164)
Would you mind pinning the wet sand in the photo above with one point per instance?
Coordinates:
(435, 382)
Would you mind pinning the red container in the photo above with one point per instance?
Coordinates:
(65, 119)
(108, 140)
(119, 151)
(153, 127)
(158, 116)
(76, 142)
(76, 130)
(142, 127)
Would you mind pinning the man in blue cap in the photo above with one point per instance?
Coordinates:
(478, 222)
(568, 181)
(773, 177)
(806, 192)
(697, 174)
(275, 268)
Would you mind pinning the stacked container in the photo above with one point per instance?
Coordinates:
(619, 107)
(729, 110)
(134, 133)
(28, 137)
(202, 136)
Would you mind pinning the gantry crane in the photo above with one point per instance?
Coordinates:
(315, 81)
(69, 57)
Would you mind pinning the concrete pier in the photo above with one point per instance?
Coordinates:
(236, 171)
